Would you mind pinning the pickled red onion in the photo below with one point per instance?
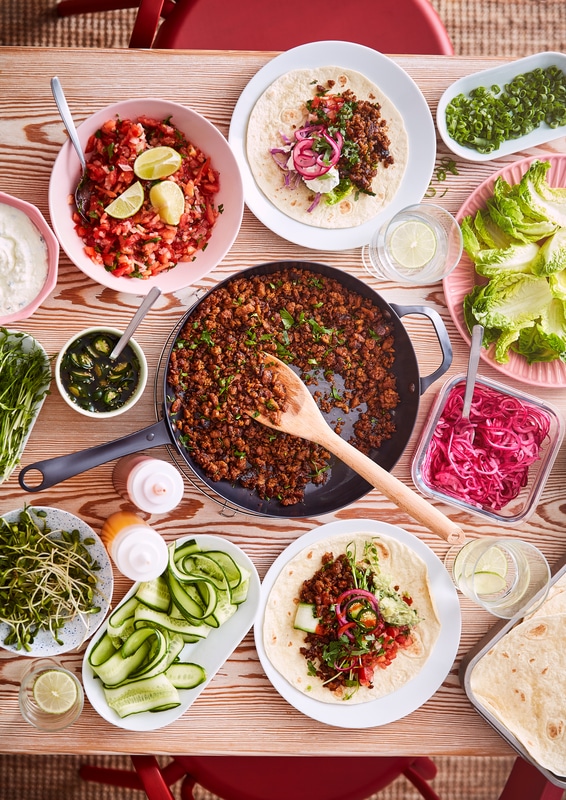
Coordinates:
(486, 464)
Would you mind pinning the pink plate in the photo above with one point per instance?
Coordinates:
(203, 134)
(462, 280)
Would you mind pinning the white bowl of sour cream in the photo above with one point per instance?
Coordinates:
(29, 259)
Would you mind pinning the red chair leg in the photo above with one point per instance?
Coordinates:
(152, 778)
(111, 777)
(526, 782)
(67, 8)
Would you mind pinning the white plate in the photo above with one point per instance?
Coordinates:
(401, 90)
(210, 653)
(413, 694)
(73, 633)
(500, 76)
(28, 344)
(462, 280)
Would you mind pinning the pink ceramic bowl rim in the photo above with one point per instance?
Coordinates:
(35, 215)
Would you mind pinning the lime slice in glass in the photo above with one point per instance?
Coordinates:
(128, 203)
(168, 199)
(55, 692)
(488, 583)
(493, 560)
(413, 244)
(157, 162)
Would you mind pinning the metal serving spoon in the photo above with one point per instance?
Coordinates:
(83, 190)
(303, 418)
(474, 360)
(147, 303)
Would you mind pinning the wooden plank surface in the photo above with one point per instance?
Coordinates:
(240, 712)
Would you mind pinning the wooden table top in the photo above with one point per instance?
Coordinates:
(240, 711)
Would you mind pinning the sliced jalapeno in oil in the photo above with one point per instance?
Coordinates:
(92, 380)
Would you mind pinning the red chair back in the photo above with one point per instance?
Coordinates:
(405, 26)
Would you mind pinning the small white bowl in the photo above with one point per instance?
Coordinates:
(500, 76)
(131, 401)
(38, 220)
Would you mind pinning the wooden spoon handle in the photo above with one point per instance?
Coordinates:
(407, 499)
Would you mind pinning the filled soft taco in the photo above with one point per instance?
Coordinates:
(327, 147)
(351, 618)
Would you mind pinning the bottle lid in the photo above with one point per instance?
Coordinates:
(155, 486)
(140, 553)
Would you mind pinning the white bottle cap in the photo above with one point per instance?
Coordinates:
(155, 486)
(139, 552)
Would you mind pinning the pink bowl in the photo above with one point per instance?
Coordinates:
(203, 134)
(34, 214)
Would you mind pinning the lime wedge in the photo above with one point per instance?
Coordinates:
(488, 583)
(157, 162)
(54, 691)
(128, 203)
(168, 199)
(413, 244)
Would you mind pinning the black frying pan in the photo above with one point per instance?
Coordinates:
(343, 486)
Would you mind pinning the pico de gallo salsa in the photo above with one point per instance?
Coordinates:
(144, 245)
(355, 620)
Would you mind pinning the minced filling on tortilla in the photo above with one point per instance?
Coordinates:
(327, 147)
(363, 621)
(402, 609)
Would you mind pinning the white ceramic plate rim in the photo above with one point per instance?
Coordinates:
(500, 76)
(395, 83)
(412, 695)
(462, 279)
(203, 134)
(210, 653)
(28, 343)
(73, 633)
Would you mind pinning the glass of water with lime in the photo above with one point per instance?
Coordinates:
(507, 577)
(421, 244)
(51, 698)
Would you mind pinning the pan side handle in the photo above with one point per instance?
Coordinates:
(55, 470)
(441, 335)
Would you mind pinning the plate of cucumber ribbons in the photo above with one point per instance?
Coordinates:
(166, 640)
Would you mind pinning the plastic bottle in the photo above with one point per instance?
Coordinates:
(138, 551)
(152, 485)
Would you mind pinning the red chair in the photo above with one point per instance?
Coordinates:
(404, 26)
(269, 777)
(280, 778)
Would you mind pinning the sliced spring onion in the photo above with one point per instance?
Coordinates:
(489, 116)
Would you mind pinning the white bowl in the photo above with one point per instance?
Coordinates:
(38, 220)
(133, 399)
(199, 131)
(500, 76)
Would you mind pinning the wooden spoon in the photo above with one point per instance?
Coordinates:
(303, 418)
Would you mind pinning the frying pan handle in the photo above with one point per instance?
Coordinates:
(441, 335)
(55, 470)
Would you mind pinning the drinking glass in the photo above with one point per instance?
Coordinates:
(31, 710)
(421, 244)
(504, 576)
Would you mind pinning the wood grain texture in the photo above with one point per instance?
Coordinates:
(240, 712)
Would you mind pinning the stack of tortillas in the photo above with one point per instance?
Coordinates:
(521, 681)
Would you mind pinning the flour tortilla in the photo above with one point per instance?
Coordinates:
(282, 641)
(281, 110)
(521, 681)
